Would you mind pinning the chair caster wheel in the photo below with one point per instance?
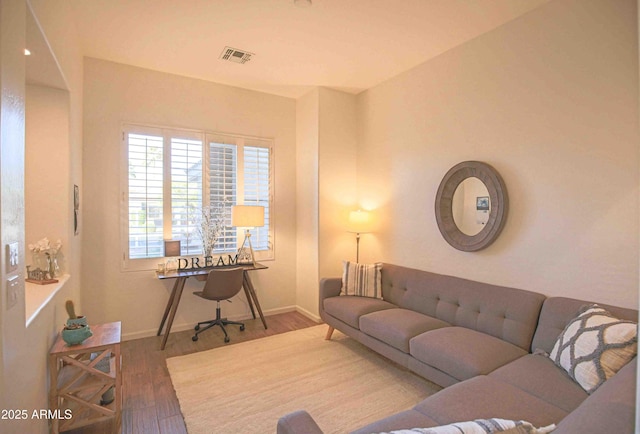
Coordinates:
(226, 339)
(194, 338)
(196, 328)
(242, 328)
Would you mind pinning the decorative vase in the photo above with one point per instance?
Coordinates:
(171, 265)
(56, 266)
(36, 261)
(52, 266)
(206, 249)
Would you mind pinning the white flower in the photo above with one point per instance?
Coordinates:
(57, 246)
(44, 246)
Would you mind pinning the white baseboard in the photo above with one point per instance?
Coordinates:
(189, 326)
(308, 314)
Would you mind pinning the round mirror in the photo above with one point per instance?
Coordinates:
(471, 206)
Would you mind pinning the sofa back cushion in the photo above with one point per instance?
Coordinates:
(557, 312)
(506, 313)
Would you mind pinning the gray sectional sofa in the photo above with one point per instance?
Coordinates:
(484, 344)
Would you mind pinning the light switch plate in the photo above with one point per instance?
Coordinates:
(12, 257)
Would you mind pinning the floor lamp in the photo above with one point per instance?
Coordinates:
(358, 223)
(247, 216)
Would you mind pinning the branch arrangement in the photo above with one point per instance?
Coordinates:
(211, 225)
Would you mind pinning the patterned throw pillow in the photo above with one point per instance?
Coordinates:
(481, 426)
(594, 346)
(364, 280)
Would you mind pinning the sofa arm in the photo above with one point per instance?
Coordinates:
(298, 422)
(329, 287)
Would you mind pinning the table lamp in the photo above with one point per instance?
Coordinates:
(358, 224)
(247, 216)
(171, 250)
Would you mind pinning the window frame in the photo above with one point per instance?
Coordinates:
(167, 133)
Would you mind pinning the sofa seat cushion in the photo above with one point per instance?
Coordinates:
(463, 353)
(610, 409)
(539, 376)
(396, 327)
(349, 308)
(484, 397)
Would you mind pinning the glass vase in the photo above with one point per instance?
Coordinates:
(36, 261)
(52, 266)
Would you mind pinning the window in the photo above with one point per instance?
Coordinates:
(173, 175)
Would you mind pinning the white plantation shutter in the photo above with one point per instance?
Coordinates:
(145, 196)
(173, 174)
(257, 188)
(186, 193)
(223, 168)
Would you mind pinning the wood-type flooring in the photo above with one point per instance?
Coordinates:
(150, 405)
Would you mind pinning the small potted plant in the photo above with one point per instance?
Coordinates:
(73, 318)
(76, 330)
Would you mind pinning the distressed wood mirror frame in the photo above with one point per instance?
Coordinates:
(444, 206)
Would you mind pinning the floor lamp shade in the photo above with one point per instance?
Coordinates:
(359, 221)
(247, 216)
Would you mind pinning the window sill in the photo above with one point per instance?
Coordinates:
(36, 297)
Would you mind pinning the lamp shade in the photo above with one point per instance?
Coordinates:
(247, 216)
(171, 248)
(359, 221)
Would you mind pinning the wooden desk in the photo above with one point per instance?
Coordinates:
(181, 278)
(77, 382)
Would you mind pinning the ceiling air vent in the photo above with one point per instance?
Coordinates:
(235, 55)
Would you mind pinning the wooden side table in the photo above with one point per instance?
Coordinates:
(79, 379)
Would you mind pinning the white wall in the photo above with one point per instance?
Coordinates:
(337, 179)
(116, 93)
(55, 18)
(307, 190)
(549, 100)
(24, 350)
(326, 136)
(48, 201)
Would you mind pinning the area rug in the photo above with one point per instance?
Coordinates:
(246, 387)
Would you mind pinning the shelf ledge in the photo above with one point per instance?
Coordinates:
(36, 297)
